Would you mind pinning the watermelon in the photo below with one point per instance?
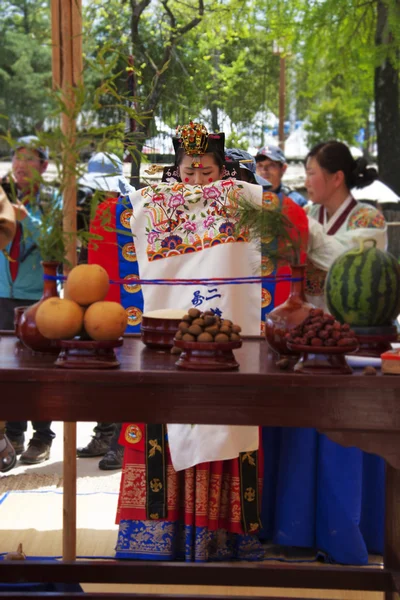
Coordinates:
(363, 287)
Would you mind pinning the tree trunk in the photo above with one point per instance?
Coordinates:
(387, 105)
(366, 148)
(214, 118)
(135, 165)
(140, 55)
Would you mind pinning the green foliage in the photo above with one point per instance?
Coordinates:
(266, 223)
(337, 118)
(224, 62)
(90, 105)
(25, 65)
(52, 241)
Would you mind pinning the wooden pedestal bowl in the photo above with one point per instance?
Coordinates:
(322, 360)
(158, 332)
(79, 354)
(207, 356)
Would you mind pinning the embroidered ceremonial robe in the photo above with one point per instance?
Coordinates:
(182, 232)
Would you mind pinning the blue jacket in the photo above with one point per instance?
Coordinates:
(295, 196)
(28, 284)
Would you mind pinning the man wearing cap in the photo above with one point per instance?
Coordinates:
(105, 174)
(21, 274)
(247, 167)
(271, 164)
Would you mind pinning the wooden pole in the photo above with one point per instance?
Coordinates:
(282, 100)
(67, 71)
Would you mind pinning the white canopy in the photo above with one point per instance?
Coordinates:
(377, 191)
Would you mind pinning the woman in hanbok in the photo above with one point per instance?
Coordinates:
(195, 496)
(317, 494)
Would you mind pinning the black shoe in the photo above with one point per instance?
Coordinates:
(99, 445)
(112, 460)
(36, 452)
(8, 457)
(18, 444)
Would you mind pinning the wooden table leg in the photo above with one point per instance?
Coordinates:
(69, 496)
(392, 528)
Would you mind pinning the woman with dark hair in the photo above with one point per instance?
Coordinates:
(337, 221)
(317, 494)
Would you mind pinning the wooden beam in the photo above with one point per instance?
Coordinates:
(67, 72)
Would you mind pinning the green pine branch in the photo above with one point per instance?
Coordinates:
(267, 225)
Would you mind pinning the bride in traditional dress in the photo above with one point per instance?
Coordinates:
(195, 497)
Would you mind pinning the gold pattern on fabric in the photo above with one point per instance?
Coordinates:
(156, 472)
(267, 265)
(234, 504)
(250, 494)
(214, 500)
(250, 457)
(129, 252)
(161, 534)
(125, 218)
(155, 447)
(132, 288)
(270, 200)
(266, 298)
(133, 487)
(315, 280)
(133, 434)
(154, 516)
(249, 488)
(156, 485)
(189, 490)
(134, 315)
(202, 485)
(172, 488)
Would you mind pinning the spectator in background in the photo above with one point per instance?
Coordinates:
(247, 167)
(7, 231)
(271, 164)
(105, 174)
(21, 273)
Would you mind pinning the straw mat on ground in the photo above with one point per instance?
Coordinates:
(34, 518)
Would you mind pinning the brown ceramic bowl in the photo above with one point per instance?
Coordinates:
(158, 332)
(207, 356)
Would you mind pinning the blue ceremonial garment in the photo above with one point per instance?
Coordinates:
(318, 494)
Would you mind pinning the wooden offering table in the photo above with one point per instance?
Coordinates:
(355, 410)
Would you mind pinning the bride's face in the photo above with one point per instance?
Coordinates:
(207, 172)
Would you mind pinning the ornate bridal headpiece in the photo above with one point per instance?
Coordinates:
(193, 138)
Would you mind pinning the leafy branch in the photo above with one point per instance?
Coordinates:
(278, 238)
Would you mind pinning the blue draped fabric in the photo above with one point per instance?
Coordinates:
(172, 540)
(318, 494)
(131, 296)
